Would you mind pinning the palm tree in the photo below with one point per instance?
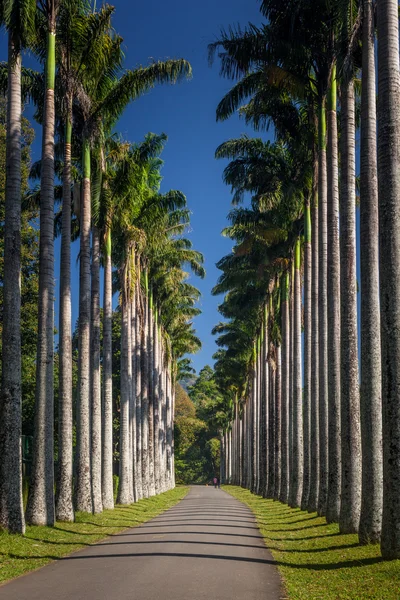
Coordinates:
(389, 248)
(370, 393)
(17, 17)
(40, 508)
(334, 468)
(350, 407)
(284, 491)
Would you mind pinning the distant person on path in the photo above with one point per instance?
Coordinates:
(215, 481)
(218, 482)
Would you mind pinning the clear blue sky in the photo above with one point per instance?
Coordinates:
(186, 113)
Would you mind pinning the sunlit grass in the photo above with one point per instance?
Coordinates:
(40, 545)
(315, 560)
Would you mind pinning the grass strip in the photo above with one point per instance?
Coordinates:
(41, 545)
(316, 562)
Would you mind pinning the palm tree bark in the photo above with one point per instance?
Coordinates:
(389, 272)
(150, 354)
(157, 405)
(64, 503)
(371, 392)
(40, 508)
(314, 408)
(137, 389)
(11, 508)
(334, 466)
(95, 388)
(322, 315)
(350, 396)
(307, 356)
(107, 409)
(278, 416)
(125, 472)
(83, 487)
(145, 399)
(284, 491)
(297, 488)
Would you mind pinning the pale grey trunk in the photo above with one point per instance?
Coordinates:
(308, 367)
(297, 478)
(284, 491)
(11, 508)
(64, 503)
(263, 412)
(314, 433)
(145, 400)
(150, 354)
(169, 427)
(350, 396)
(334, 460)
(156, 388)
(137, 388)
(132, 414)
(371, 392)
(40, 509)
(254, 427)
(162, 418)
(323, 332)
(107, 425)
(125, 466)
(271, 426)
(172, 427)
(389, 272)
(132, 391)
(95, 387)
(278, 417)
(290, 398)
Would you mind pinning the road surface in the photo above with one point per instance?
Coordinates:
(206, 547)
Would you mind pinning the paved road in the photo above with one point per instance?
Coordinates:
(206, 547)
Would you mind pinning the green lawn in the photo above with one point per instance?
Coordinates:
(40, 545)
(315, 561)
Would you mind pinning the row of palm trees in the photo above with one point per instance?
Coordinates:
(312, 424)
(111, 201)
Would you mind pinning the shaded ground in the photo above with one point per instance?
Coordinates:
(315, 560)
(208, 546)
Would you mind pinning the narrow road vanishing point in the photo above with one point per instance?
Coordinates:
(208, 546)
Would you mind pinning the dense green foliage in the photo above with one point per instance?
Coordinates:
(198, 419)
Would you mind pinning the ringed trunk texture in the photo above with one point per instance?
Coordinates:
(145, 400)
(334, 461)
(350, 397)
(150, 354)
(389, 272)
(107, 409)
(137, 388)
(297, 488)
(314, 408)
(278, 416)
(40, 508)
(95, 386)
(322, 316)
(64, 492)
(371, 371)
(83, 487)
(11, 507)
(307, 357)
(284, 491)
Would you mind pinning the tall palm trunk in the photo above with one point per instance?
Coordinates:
(137, 389)
(334, 468)
(132, 392)
(11, 508)
(150, 354)
(254, 423)
(389, 272)
(278, 416)
(263, 410)
(64, 504)
(125, 465)
(169, 425)
(107, 409)
(290, 414)
(284, 491)
(155, 376)
(145, 397)
(307, 356)
(40, 508)
(83, 487)
(371, 393)
(322, 315)
(297, 489)
(314, 408)
(95, 388)
(350, 396)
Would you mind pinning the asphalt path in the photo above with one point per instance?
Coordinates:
(207, 546)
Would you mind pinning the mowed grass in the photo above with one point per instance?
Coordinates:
(40, 545)
(315, 560)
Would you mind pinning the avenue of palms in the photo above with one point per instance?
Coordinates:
(302, 406)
